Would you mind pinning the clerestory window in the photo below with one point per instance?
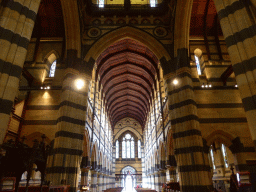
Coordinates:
(128, 150)
(53, 69)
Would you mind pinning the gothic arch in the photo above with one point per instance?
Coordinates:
(127, 129)
(221, 136)
(86, 144)
(123, 33)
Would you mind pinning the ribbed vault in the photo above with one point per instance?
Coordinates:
(127, 72)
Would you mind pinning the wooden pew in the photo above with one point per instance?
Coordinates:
(117, 189)
(144, 190)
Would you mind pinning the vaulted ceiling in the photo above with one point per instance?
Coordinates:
(204, 16)
(127, 72)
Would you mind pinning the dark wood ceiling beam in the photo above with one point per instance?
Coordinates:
(225, 75)
(107, 97)
(142, 78)
(125, 81)
(111, 55)
(125, 90)
(144, 86)
(216, 36)
(106, 71)
(128, 95)
(205, 29)
(127, 106)
(135, 112)
(129, 100)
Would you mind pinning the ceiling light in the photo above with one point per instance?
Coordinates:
(79, 83)
(210, 85)
(202, 85)
(236, 85)
(175, 82)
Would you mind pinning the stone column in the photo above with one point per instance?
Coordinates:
(144, 177)
(66, 155)
(17, 21)
(94, 182)
(100, 182)
(84, 177)
(187, 136)
(152, 182)
(104, 183)
(157, 182)
(173, 174)
(239, 31)
(162, 178)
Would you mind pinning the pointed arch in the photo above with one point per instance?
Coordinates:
(123, 33)
(221, 136)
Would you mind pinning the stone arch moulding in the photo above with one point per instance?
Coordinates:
(134, 131)
(46, 57)
(220, 136)
(127, 32)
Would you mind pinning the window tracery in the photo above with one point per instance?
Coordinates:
(128, 150)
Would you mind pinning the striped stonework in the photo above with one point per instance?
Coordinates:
(94, 182)
(100, 182)
(240, 36)
(65, 158)
(84, 177)
(187, 135)
(173, 174)
(16, 25)
(162, 178)
(104, 183)
(157, 181)
(144, 177)
(152, 182)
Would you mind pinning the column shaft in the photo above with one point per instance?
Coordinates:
(17, 21)
(240, 36)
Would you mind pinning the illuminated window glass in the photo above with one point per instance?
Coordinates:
(198, 66)
(212, 157)
(53, 68)
(123, 149)
(117, 149)
(139, 149)
(132, 148)
(152, 3)
(101, 3)
(128, 149)
(224, 153)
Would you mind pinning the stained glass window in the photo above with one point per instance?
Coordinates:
(123, 149)
(128, 149)
(198, 66)
(224, 153)
(132, 149)
(117, 149)
(139, 149)
(212, 157)
(53, 68)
